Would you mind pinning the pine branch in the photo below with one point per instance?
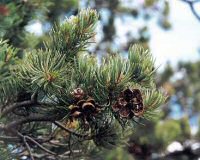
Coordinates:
(8, 82)
(153, 100)
(13, 106)
(191, 3)
(32, 118)
(73, 35)
(71, 132)
(40, 146)
(43, 70)
(141, 66)
(28, 148)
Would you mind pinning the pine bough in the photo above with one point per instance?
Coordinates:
(59, 101)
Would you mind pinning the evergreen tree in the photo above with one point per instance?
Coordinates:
(59, 101)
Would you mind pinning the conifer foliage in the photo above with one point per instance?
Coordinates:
(58, 101)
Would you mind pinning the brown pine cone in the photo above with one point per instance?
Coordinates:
(121, 102)
(84, 109)
(129, 104)
(128, 94)
(78, 93)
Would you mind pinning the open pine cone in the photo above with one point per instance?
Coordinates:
(84, 109)
(129, 104)
(78, 93)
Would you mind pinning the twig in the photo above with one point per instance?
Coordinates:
(40, 146)
(33, 118)
(28, 148)
(14, 106)
(191, 4)
(20, 104)
(36, 143)
(85, 136)
(9, 139)
(191, 1)
(40, 156)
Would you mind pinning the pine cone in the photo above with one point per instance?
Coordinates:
(78, 93)
(126, 111)
(85, 109)
(121, 102)
(137, 96)
(129, 104)
(127, 94)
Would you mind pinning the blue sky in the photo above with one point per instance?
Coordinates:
(182, 41)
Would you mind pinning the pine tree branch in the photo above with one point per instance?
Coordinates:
(9, 139)
(36, 143)
(85, 136)
(13, 106)
(33, 118)
(40, 146)
(28, 148)
(191, 4)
